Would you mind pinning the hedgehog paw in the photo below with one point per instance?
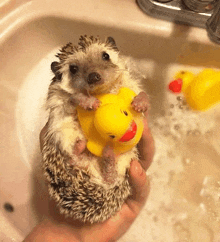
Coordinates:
(89, 103)
(108, 165)
(79, 147)
(141, 102)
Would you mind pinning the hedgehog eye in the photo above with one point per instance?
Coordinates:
(112, 136)
(73, 69)
(105, 56)
(125, 113)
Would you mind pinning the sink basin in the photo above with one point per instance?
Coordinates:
(185, 176)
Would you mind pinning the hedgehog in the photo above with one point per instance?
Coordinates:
(86, 187)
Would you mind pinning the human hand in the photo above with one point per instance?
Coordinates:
(58, 229)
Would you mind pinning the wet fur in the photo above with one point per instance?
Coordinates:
(77, 181)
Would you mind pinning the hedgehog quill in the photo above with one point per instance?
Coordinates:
(84, 186)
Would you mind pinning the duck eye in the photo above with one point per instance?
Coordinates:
(125, 113)
(105, 56)
(73, 69)
(112, 136)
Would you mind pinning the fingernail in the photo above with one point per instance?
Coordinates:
(138, 168)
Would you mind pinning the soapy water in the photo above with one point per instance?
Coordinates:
(184, 202)
(191, 179)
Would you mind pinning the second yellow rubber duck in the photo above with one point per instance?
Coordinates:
(202, 91)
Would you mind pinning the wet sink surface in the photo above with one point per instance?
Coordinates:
(185, 176)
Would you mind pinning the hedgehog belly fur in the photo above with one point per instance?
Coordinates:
(74, 192)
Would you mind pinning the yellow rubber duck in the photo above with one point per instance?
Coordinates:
(202, 91)
(115, 123)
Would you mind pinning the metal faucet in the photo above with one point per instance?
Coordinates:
(199, 13)
(213, 24)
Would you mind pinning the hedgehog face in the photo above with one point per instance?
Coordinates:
(92, 66)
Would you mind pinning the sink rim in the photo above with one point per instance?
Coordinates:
(139, 22)
(31, 12)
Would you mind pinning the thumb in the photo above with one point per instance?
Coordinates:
(140, 186)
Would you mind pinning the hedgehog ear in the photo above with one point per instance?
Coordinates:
(55, 67)
(66, 50)
(110, 41)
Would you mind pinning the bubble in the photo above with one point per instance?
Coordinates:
(176, 126)
(184, 102)
(179, 98)
(202, 207)
(186, 161)
(196, 132)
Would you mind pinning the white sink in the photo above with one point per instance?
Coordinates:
(184, 201)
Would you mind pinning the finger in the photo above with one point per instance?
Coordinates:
(140, 187)
(146, 147)
(117, 225)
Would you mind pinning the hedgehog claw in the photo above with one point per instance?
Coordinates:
(90, 103)
(79, 147)
(141, 102)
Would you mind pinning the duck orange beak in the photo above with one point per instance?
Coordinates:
(130, 133)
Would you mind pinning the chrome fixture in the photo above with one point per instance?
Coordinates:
(199, 13)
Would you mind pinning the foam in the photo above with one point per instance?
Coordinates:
(30, 110)
(183, 204)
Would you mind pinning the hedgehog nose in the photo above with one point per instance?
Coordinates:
(93, 77)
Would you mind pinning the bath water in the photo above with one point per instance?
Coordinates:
(184, 202)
